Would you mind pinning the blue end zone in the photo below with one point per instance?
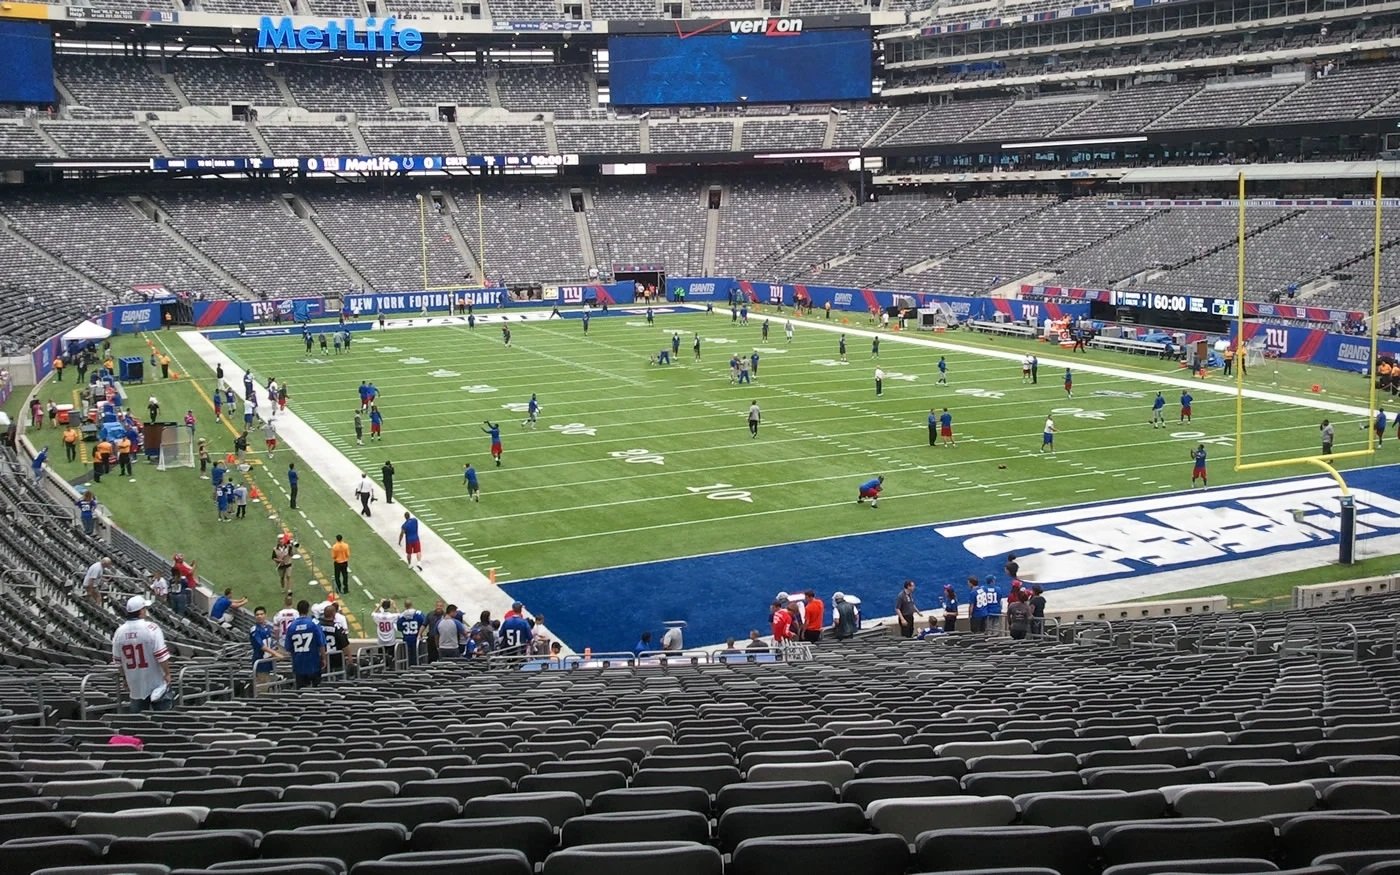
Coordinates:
(727, 594)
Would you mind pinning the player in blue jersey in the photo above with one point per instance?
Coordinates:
(841, 348)
(753, 361)
(1380, 425)
(744, 313)
(932, 427)
(470, 481)
(364, 396)
(1198, 457)
(408, 537)
(1069, 382)
(1186, 400)
(871, 489)
(305, 641)
(942, 371)
(945, 426)
(494, 429)
(411, 624)
(532, 412)
(1157, 404)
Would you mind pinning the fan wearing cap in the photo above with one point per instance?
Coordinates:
(844, 616)
(142, 659)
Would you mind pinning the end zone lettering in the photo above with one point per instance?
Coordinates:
(767, 26)
(345, 35)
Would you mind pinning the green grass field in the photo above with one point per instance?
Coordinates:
(633, 462)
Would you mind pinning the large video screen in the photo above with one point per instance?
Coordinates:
(26, 63)
(723, 67)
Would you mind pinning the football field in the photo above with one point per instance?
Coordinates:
(633, 462)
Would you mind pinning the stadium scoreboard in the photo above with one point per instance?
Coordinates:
(364, 163)
(1165, 302)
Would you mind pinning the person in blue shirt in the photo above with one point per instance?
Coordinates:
(1186, 400)
(473, 486)
(1380, 425)
(651, 319)
(932, 427)
(87, 511)
(976, 607)
(585, 323)
(1157, 404)
(643, 645)
(945, 427)
(765, 330)
(376, 424)
(989, 594)
(516, 633)
(532, 412)
(1069, 384)
(875, 347)
(931, 629)
(38, 464)
(942, 371)
(222, 495)
(411, 624)
(675, 343)
(293, 478)
(494, 430)
(306, 642)
(1198, 469)
(744, 313)
(261, 638)
(224, 606)
(753, 360)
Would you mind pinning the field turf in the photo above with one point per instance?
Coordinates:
(633, 462)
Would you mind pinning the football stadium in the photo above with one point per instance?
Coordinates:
(588, 437)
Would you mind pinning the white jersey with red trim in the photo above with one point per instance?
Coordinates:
(280, 621)
(138, 648)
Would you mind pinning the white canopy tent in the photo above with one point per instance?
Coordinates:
(84, 331)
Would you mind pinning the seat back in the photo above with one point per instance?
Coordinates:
(910, 817)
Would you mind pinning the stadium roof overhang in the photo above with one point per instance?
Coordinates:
(1263, 172)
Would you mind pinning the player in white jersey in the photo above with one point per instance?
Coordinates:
(142, 659)
(282, 619)
(386, 629)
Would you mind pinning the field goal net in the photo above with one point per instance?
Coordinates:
(176, 449)
(1254, 353)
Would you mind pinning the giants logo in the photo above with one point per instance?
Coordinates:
(767, 26)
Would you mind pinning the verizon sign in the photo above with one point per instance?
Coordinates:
(767, 26)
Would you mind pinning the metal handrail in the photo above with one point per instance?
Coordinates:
(1231, 631)
(1314, 629)
(210, 690)
(1150, 628)
(1077, 627)
(83, 708)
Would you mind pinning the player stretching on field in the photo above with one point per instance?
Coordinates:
(532, 412)
(871, 489)
(1199, 470)
(494, 429)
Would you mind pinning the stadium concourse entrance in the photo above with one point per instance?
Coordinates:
(648, 280)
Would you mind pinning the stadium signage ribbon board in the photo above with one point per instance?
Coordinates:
(371, 36)
(1223, 307)
(766, 26)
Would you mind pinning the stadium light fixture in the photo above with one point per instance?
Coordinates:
(1048, 144)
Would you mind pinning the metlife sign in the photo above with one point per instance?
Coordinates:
(371, 36)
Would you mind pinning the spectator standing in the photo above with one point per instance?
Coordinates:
(451, 634)
(37, 466)
(305, 641)
(950, 609)
(977, 607)
(515, 635)
(336, 630)
(1013, 568)
(991, 597)
(905, 609)
(386, 623)
(203, 454)
(781, 622)
(182, 583)
(142, 660)
(812, 618)
(673, 640)
(1037, 603)
(282, 619)
(843, 615)
(410, 624)
(434, 652)
(264, 643)
(92, 579)
(340, 560)
(1018, 616)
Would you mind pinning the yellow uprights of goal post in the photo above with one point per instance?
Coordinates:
(423, 245)
(1323, 462)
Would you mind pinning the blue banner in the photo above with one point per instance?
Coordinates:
(132, 317)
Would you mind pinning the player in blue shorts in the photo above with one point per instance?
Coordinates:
(1198, 456)
(871, 489)
(1047, 436)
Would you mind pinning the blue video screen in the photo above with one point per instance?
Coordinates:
(26, 63)
(721, 67)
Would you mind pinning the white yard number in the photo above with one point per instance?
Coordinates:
(896, 375)
(516, 406)
(1200, 438)
(574, 428)
(1079, 413)
(981, 393)
(721, 492)
(639, 457)
(479, 389)
(830, 363)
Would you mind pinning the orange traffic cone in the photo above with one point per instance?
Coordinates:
(230, 459)
(491, 575)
